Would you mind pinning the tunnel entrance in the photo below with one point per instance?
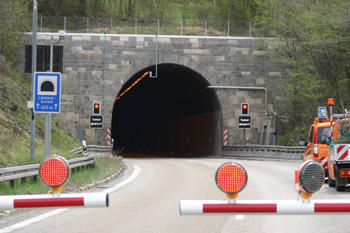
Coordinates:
(174, 114)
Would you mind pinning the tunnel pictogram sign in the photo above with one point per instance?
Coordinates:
(47, 92)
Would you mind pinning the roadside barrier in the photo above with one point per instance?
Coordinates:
(231, 178)
(89, 200)
(12, 173)
(280, 207)
(264, 151)
(54, 171)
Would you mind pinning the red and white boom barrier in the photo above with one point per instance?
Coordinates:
(231, 178)
(54, 200)
(279, 207)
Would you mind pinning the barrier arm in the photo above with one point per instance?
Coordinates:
(257, 207)
(54, 171)
(73, 200)
(232, 178)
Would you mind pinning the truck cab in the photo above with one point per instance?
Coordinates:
(338, 158)
(316, 145)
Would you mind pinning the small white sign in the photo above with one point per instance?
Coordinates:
(322, 112)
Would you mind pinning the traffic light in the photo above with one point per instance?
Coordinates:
(96, 108)
(244, 108)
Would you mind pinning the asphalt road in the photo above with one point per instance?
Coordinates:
(145, 198)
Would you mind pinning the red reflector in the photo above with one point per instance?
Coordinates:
(239, 208)
(231, 178)
(345, 172)
(54, 171)
(48, 202)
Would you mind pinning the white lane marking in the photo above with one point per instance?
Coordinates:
(32, 220)
(135, 173)
(239, 217)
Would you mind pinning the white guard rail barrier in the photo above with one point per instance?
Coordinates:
(264, 151)
(279, 207)
(92, 200)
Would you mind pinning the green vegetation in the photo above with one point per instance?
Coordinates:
(15, 123)
(15, 141)
(107, 167)
(241, 10)
(313, 39)
(14, 19)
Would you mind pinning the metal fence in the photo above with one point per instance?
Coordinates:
(264, 151)
(184, 27)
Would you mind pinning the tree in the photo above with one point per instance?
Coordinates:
(313, 39)
(14, 20)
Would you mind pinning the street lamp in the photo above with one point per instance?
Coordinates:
(48, 116)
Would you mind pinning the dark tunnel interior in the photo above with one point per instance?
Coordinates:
(174, 114)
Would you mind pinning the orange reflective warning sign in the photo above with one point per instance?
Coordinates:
(231, 178)
(54, 171)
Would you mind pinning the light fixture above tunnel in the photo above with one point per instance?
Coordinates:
(132, 85)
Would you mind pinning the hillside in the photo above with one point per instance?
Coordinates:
(15, 121)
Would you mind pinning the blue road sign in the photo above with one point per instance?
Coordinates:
(47, 92)
(322, 112)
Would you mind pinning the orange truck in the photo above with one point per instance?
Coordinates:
(338, 157)
(316, 144)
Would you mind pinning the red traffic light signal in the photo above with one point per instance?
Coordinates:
(244, 108)
(96, 108)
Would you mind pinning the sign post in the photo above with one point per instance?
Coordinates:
(96, 119)
(244, 122)
(47, 99)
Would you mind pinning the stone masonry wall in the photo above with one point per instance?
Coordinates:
(223, 61)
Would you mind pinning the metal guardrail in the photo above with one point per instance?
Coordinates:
(93, 148)
(12, 173)
(261, 151)
(247, 151)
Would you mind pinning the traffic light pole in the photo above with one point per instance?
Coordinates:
(243, 136)
(95, 136)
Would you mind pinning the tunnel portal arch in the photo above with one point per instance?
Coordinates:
(175, 113)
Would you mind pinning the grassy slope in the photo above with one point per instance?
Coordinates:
(15, 141)
(15, 124)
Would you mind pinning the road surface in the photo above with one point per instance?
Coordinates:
(145, 198)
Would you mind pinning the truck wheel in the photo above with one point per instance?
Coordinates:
(331, 183)
(339, 187)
